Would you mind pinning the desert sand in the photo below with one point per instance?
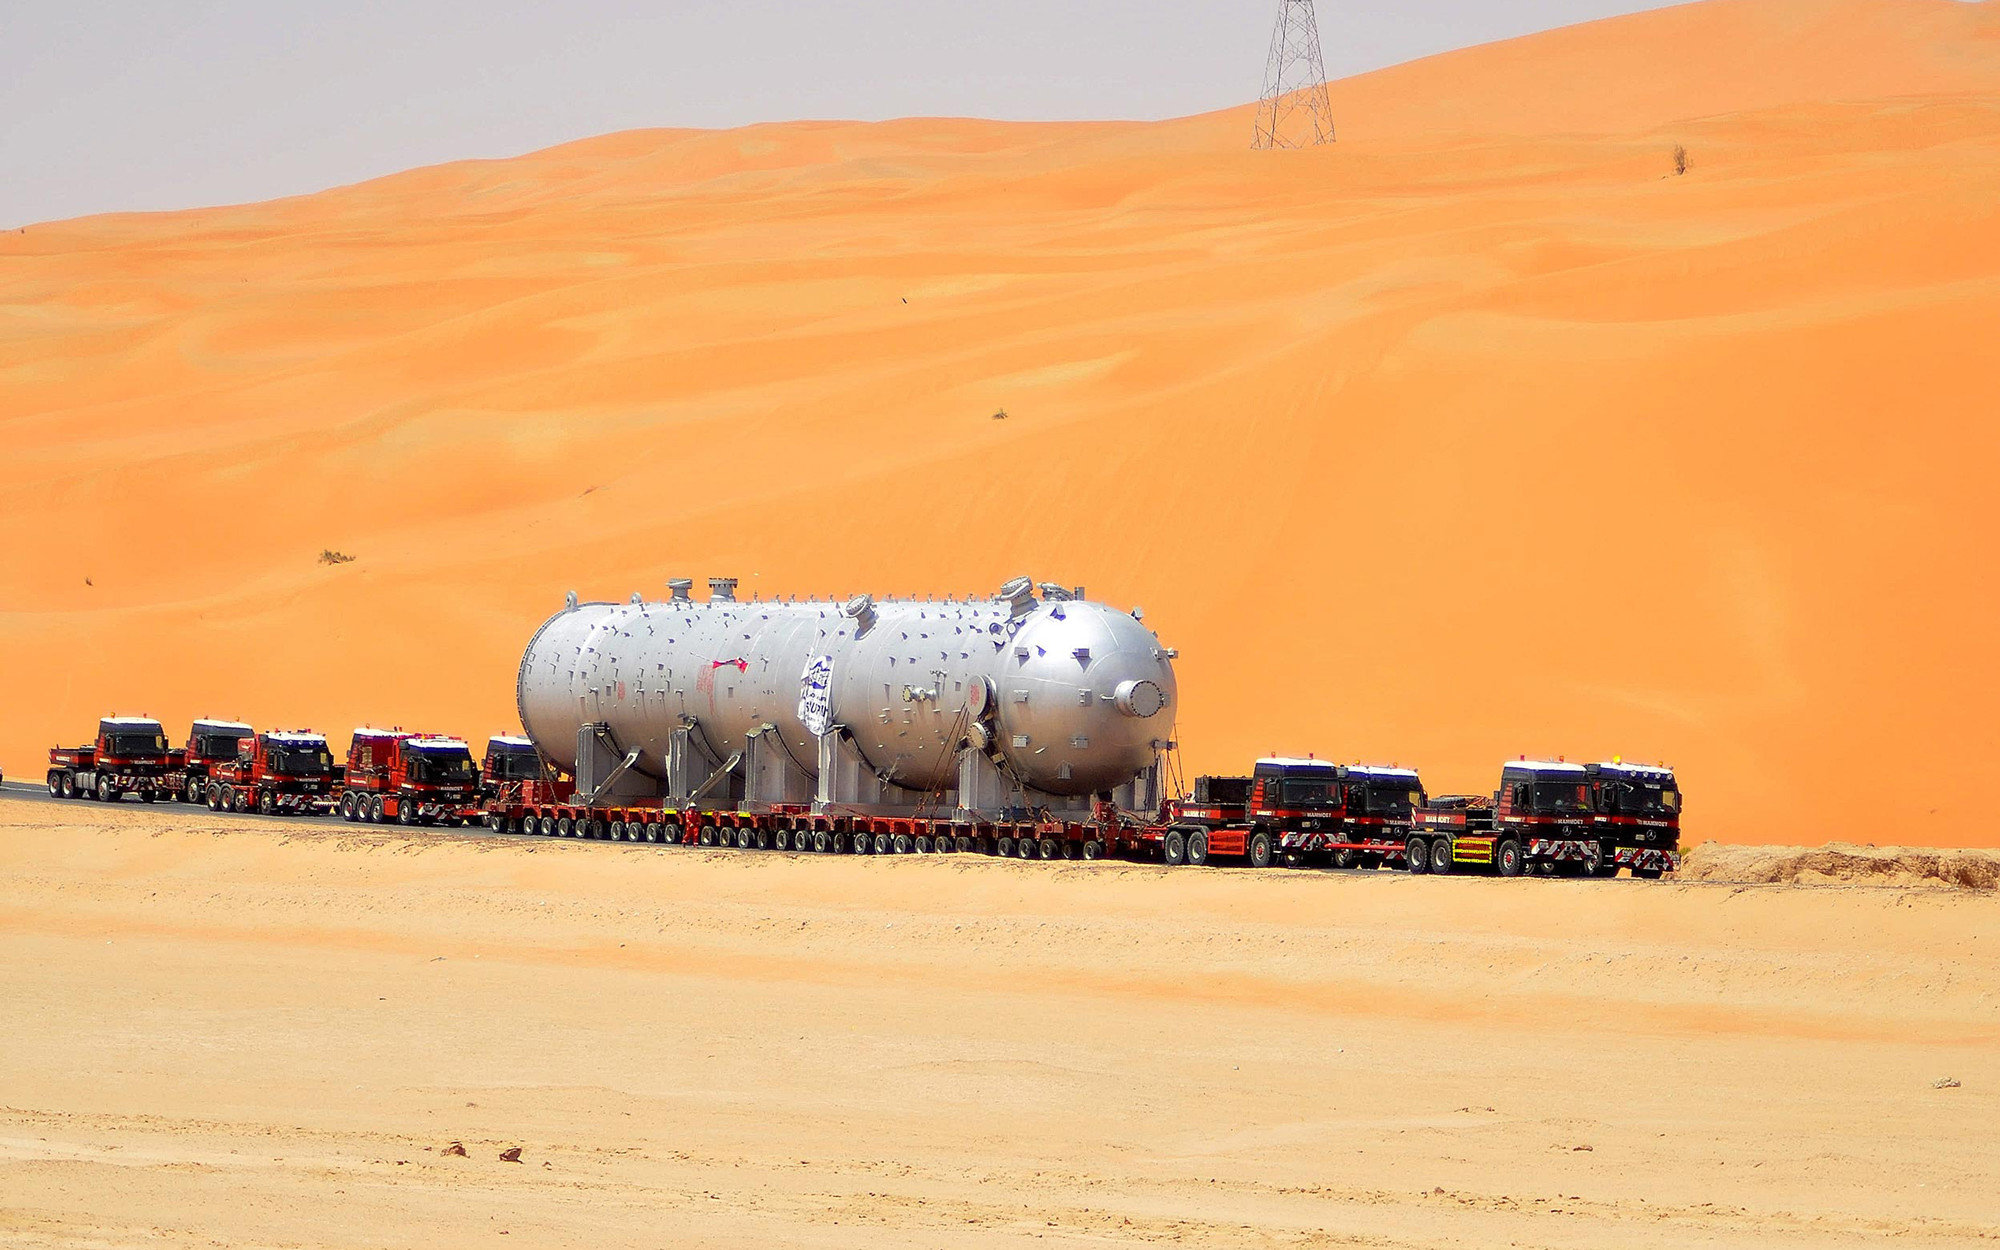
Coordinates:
(1475, 434)
(248, 1037)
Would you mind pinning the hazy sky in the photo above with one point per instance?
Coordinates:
(137, 104)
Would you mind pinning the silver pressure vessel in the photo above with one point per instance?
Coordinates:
(1070, 697)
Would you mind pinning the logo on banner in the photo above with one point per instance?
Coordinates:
(816, 695)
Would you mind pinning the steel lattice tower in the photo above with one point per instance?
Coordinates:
(1295, 111)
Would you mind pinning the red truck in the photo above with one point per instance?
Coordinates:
(278, 773)
(209, 743)
(513, 781)
(1638, 816)
(1299, 812)
(411, 779)
(129, 757)
(1554, 818)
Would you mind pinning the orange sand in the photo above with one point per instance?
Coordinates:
(1472, 435)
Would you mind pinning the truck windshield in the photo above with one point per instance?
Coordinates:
(439, 768)
(516, 765)
(1559, 797)
(302, 761)
(1641, 798)
(1387, 800)
(138, 746)
(1307, 794)
(217, 746)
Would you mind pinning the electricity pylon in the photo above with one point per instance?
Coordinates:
(1294, 111)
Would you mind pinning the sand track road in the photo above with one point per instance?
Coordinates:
(235, 1035)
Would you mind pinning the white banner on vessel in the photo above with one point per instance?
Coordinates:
(816, 695)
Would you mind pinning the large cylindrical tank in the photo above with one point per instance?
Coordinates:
(1074, 697)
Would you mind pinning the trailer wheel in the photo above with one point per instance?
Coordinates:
(56, 780)
(962, 846)
(821, 840)
(1441, 864)
(1093, 849)
(1197, 851)
(1173, 847)
(923, 844)
(1507, 858)
(1417, 856)
(1259, 849)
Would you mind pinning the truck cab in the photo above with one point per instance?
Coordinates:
(394, 775)
(209, 743)
(1297, 810)
(288, 773)
(1548, 807)
(1542, 819)
(129, 756)
(511, 762)
(1638, 809)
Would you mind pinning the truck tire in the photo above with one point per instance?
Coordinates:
(1417, 856)
(1259, 849)
(265, 803)
(1441, 864)
(56, 780)
(378, 810)
(347, 808)
(105, 792)
(1173, 847)
(1596, 863)
(1507, 858)
(1346, 857)
(1197, 851)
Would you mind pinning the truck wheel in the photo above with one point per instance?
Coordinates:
(148, 796)
(194, 790)
(1346, 858)
(1197, 851)
(1173, 847)
(1596, 863)
(378, 810)
(265, 804)
(1093, 849)
(1507, 858)
(1441, 864)
(56, 780)
(1417, 856)
(1259, 849)
(105, 794)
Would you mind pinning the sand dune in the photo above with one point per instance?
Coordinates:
(1473, 435)
(269, 1037)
